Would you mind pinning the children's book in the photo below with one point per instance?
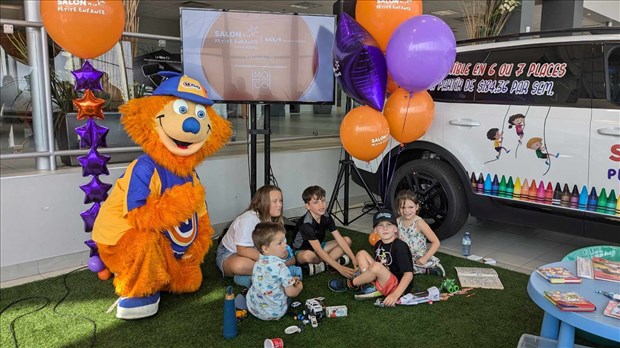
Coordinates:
(473, 277)
(605, 269)
(558, 275)
(570, 301)
(584, 268)
(613, 309)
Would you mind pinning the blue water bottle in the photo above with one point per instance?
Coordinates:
(230, 319)
(466, 245)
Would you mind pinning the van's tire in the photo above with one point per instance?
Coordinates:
(443, 199)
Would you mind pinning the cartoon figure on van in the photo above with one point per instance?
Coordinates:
(518, 121)
(497, 137)
(537, 144)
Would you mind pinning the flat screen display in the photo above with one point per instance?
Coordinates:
(259, 57)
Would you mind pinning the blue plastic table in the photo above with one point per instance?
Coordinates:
(559, 325)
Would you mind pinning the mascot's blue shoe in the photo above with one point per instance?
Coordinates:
(137, 307)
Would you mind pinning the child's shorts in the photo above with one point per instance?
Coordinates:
(389, 287)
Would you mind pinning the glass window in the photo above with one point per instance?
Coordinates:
(613, 70)
(459, 85)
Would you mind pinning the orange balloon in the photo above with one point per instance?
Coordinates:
(409, 118)
(381, 18)
(85, 28)
(105, 274)
(373, 238)
(391, 85)
(364, 133)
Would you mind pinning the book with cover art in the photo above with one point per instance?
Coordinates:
(570, 301)
(558, 275)
(605, 269)
(613, 309)
(474, 277)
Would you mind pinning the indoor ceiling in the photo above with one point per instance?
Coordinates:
(448, 10)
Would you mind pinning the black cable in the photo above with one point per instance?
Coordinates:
(47, 301)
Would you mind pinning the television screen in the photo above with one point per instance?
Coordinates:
(259, 57)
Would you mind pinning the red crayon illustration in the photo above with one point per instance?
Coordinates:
(548, 193)
(540, 193)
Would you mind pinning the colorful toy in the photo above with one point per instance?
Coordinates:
(315, 307)
(154, 230)
(449, 285)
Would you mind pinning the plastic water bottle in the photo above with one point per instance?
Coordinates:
(230, 318)
(466, 245)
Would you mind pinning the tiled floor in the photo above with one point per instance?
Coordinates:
(513, 247)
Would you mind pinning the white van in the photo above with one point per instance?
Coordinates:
(543, 112)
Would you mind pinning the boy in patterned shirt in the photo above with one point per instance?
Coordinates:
(272, 283)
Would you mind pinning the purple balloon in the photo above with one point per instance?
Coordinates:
(87, 77)
(89, 217)
(94, 250)
(95, 264)
(95, 190)
(94, 163)
(421, 52)
(359, 64)
(92, 134)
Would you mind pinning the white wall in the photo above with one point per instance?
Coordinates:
(41, 229)
(607, 8)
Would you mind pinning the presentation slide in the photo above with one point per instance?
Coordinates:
(259, 57)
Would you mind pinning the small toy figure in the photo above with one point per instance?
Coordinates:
(449, 285)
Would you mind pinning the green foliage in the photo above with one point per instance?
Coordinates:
(489, 318)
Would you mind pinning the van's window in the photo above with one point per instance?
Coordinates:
(613, 70)
(458, 86)
(550, 76)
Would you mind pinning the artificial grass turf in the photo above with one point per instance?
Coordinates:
(489, 318)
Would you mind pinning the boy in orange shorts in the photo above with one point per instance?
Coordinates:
(390, 270)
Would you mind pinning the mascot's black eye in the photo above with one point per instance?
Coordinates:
(180, 106)
(201, 111)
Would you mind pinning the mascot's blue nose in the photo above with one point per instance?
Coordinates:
(191, 125)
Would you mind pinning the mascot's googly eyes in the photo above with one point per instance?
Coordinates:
(201, 111)
(180, 106)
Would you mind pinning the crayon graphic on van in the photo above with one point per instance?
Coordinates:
(516, 194)
(611, 203)
(592, 200)
(565, 200)
(556, 199)
(509, 188)
(601, 205)
(583, 198)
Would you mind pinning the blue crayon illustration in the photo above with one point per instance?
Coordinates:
(583, 198)
(592, 200)
(495, 186)
(487, 185)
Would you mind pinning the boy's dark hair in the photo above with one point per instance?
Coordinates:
(311, 191)
(511, 119)
(491, 133)
(264, 233)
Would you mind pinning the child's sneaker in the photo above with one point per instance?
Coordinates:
(344, 260)
(436, 270)
(341, 285)
(316, 268)
(137, 307)
(368, 291)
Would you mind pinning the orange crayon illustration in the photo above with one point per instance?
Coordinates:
(531, 193)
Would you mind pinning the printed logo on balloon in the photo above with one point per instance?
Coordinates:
(87, 29)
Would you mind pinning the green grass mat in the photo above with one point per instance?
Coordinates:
(489, 318)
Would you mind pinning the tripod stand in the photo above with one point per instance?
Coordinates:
(344, 171)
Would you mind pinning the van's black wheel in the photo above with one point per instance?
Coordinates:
(443, 199)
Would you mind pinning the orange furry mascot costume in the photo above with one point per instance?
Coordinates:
(153, 231)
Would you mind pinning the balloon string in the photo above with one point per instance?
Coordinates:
(402, 132)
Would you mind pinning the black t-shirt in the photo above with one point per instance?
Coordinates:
(397, 257)
(308, 229)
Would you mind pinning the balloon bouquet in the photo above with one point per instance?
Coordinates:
(419, 52)
(87, 30)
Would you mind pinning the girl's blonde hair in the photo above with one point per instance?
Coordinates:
(403, 196)
(261, 202)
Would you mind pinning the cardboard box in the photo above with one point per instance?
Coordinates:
(336, 311)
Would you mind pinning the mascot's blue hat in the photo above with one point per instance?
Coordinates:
(184, 87)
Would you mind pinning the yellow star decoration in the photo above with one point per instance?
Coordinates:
(89, 106)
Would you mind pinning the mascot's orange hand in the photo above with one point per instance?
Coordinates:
(167, 211)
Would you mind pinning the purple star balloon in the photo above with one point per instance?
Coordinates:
(89, 217)
(94, 250)
(95, 190)
(94, 163)
(87, 77)
(91, 134)
(359, 64)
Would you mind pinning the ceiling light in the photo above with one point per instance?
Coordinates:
(304, 5)
(444, 13)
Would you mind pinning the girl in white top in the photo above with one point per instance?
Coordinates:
(236, 254)
(414, 231)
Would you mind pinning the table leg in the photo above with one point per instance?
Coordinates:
(566, 338)
(550, 326)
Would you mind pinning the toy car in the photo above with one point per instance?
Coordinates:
(314, 306)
